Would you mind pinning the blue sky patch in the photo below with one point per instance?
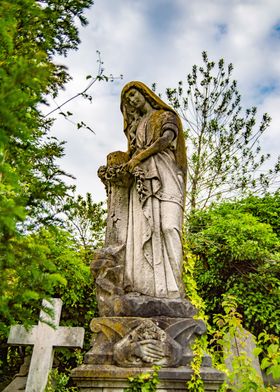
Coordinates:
(221, 30)
(263, 90)
(266, 89)
(162, 16)
(276, 30)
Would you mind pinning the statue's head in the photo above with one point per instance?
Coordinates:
(131, 116)
(134, 94)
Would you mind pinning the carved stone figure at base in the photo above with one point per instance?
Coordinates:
(143, 342)
(147, 344)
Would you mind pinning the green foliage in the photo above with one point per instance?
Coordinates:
(57, 382)
(227, 326)
(31, 32)
(195, 384)
(85, 220)
(190, 284)
(237, 254)
(144, 382)
(60, 381)
(52, 266)
(243, 377)
(37, 259)
(224, 154)
(265, 208)
(232, 252)
(269, 348)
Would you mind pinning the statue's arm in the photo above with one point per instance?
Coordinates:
(159, 145)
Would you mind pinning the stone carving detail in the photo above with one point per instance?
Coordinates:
(142, 342)
(147, 345)
(117, 180)
(107, 270)
(145, 306)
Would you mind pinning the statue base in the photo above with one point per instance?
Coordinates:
(110, 378)
(128, 346)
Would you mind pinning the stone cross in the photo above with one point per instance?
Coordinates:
(44, 338)
(242, 346)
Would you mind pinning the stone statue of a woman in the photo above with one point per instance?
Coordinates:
(146, 192)
(144, 317)
(156, 197)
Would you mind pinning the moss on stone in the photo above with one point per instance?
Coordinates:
(117, 158)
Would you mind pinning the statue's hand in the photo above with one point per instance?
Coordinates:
(150, 350)
(130, 165)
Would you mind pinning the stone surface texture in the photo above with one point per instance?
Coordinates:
(145, 319)
(18, 384)
(43, 337)
(146, 306)
(19, 381)
(136, 341)
(242, 345)
(93, 378)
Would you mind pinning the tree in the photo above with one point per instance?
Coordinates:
(37, 259)
(85, 220)
(224, 154)
(31, 33)
(50, 266)
(236, 245)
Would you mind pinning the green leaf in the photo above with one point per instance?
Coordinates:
(265, 363)
(275, 372)
(257, 351)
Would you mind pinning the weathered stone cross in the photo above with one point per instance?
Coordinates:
(44, 338)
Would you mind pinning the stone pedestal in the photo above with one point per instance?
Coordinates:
(127, 346)
(110, 378)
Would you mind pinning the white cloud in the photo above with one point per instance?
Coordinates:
(159, 41)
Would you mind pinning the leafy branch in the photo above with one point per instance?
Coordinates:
(224, 152)
(84, 93)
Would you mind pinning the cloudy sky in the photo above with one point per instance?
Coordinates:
(159, 41)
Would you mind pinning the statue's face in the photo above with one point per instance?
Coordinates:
(135, 98)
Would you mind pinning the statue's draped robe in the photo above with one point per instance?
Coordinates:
(154, 245)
